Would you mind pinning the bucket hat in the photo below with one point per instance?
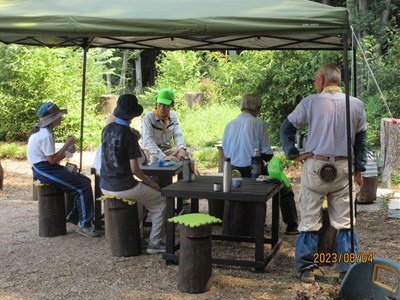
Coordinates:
(48, 113)
(165, 96)
(128, 107)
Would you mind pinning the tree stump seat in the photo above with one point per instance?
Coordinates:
(195, 251)
(122, 229)
(51, 210)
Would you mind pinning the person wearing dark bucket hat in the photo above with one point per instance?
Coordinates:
(120, 152)
(127, 107)
(160, 126)
(44, 160)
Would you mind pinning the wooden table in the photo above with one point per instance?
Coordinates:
(165, 174)
(250, 191)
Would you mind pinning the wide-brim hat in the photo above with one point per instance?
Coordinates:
(165, 96)
(128, 107)
(48, 113)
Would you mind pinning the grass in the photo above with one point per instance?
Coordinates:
(12, 150)
(203, 126)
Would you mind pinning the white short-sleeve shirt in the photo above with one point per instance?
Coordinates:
(40, 145)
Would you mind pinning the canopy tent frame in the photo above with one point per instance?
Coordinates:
(169, 25)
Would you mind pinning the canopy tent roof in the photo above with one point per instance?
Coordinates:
(173, 24)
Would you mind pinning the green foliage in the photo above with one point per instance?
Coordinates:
(287, 164)
(180, 71)
(280, 78)
(12, 150)
(203, 126)
(395, 177)
(375, 110)
(33, 76)
(206, 158)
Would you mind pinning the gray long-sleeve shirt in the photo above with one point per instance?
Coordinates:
(154, 136)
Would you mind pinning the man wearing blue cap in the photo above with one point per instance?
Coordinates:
(159, 126)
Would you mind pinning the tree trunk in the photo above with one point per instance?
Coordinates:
(390, 148)
(386, 12)
(138, 71)
(122, 80)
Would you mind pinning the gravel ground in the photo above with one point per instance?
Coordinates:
(76, 267)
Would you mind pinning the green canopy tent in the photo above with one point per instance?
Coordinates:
(173, 24)
(178, 24)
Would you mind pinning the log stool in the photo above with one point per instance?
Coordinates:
(122, 226)
(51, 210)
(195, 251)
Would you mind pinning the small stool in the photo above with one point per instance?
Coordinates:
(195, 251)
(122, 226)
(51, 210)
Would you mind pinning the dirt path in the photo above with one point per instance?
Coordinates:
(75, 267)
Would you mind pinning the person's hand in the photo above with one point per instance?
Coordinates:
(181, 154)
(70, 140)
(71, 149)
(170, 157)
(154, 185)
(302, 157)
(358, 178)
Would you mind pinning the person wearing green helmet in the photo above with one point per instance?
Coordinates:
(160, 126)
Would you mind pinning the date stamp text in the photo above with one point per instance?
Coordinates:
(333, 258)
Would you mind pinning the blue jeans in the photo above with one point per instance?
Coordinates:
(307, 245)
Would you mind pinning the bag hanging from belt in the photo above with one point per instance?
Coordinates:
(327, 173)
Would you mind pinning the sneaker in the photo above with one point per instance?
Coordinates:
(157, 248)
(291, 231)
(307, 276)
(86, 231)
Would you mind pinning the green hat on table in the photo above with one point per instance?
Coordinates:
(165, 96)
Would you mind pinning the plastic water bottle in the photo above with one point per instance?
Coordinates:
(227, 175)
(68, 152)
(187, 169)
(256, 163)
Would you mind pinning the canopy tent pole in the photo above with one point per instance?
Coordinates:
(85, 50)
(349, 148)
(354, 70)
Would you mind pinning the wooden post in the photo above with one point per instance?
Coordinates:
(1, 177)
(51, 211)
(390, 148)
(194, 259)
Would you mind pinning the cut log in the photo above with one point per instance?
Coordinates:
(194, 98)
(390, 149)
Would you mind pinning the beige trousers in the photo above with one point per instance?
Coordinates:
(152, 200)
(314, 190)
